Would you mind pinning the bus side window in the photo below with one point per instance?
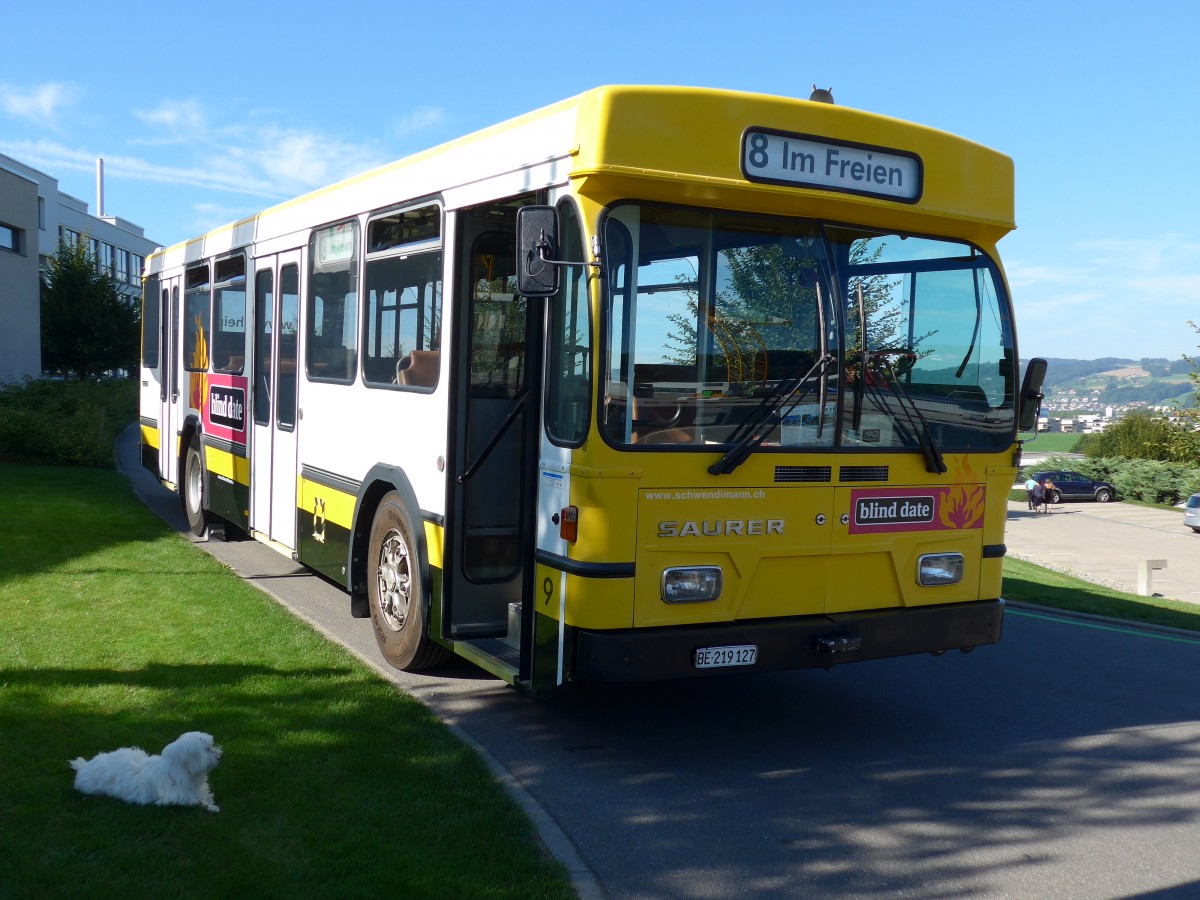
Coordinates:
(333, 304)
(197, 310)
(289, 317)
(403, 320)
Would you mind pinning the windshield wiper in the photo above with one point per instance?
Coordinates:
(755, 429)
(975, 334)
(915, 418)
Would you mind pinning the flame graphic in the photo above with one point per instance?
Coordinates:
(962, 505)
(198, 382)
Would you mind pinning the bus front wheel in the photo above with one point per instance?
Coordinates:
(396, 591)
(193, 489)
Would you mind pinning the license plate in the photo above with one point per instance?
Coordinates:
(716, 657)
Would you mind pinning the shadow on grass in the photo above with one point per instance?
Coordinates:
(55, 515)
(324, 767)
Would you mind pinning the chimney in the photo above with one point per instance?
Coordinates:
(100, 188)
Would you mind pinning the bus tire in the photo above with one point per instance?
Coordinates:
(193, 489)
(396, 590)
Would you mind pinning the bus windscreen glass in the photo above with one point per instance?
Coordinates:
(713, 316)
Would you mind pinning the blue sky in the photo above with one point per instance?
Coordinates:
(207, 113)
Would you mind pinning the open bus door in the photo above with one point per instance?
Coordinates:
(494, 441)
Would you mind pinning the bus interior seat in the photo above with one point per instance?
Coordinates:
(419, 368)
(666, 420)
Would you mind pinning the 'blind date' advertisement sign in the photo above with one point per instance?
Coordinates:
(225, 409)
(942, 508)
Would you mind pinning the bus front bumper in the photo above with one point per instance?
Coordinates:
(779, 644)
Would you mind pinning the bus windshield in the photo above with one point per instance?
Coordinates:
(817, 335)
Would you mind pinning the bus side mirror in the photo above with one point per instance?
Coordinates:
(1029, 404)
(537, 251)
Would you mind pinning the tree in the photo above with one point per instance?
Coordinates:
(771, 303)
(1142, 435)
(87, 326)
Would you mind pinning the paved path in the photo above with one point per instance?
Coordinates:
(1105, 542)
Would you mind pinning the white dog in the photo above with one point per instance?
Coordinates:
(178, 777)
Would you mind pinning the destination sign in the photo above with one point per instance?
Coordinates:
(802, 160)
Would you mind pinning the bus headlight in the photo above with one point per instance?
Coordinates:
(940, 568)
(693, 584)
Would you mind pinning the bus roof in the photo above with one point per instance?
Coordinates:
(673, 144)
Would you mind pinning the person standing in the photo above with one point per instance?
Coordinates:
(1039, 496)
(1030, 484)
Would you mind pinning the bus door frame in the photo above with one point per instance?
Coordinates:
(464, 598)
(170, 418)
(273, 451)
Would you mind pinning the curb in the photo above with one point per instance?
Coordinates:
(1164, 630)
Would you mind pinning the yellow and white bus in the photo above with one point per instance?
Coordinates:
(654, 382)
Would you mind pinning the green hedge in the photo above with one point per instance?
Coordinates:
(1147, 480)
(70, 423)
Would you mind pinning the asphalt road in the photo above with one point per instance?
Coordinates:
(1062, 762)
(1107, 543)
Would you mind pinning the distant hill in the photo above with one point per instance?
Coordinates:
(1116, 382)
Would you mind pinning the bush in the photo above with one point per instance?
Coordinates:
(72, 423)
(1147, 480)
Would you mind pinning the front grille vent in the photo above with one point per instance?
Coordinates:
(863, 473)
(792, 474)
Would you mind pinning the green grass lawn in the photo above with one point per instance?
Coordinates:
(1027, 583)
(334, 783)
(1052, 442)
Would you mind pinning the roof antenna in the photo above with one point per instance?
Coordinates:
(821, 95)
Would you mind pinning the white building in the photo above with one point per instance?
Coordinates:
(34, 217)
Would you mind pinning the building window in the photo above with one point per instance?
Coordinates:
(10, 238)
(42, 213)
(122, 265)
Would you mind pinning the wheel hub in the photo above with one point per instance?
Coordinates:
(393, 578)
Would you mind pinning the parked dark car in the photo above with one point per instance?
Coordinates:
(1073, 486)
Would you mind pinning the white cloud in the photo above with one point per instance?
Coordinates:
(1128, 298)
(425, 118)
(176, 120)
(260, 159)
(298, 160)
(41, 104)
(52, 156)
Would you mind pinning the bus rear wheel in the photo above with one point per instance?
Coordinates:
(193, 489)
(397, 593)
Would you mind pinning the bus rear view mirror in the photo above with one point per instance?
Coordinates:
(1030, 401)
(537, 249)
